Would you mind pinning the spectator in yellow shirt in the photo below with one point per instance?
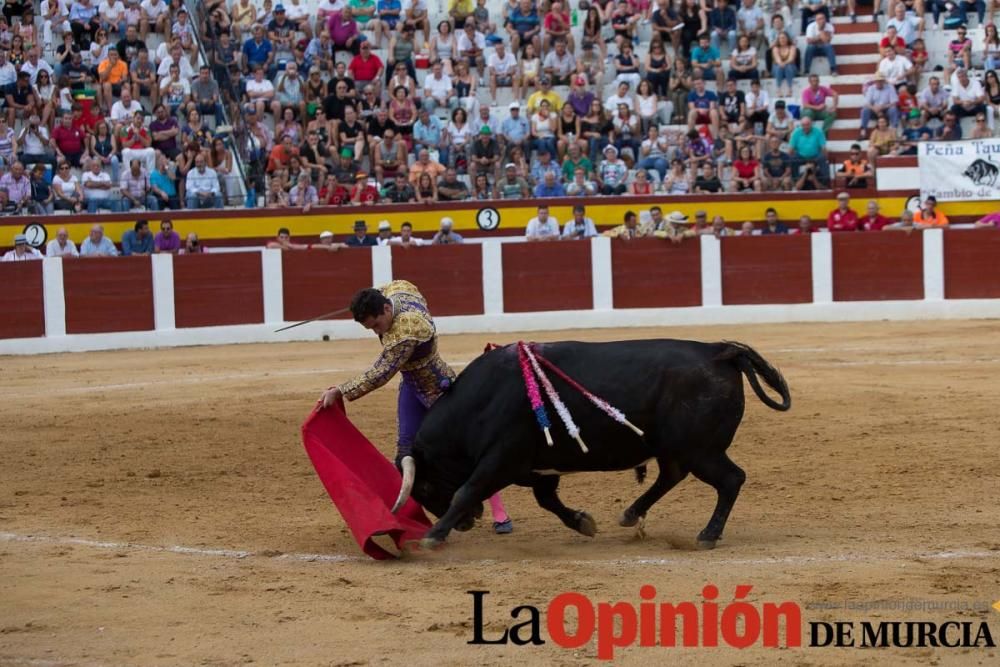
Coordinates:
(460, 10)
(545, 93)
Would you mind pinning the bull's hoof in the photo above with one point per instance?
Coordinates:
(465, 524)
(431, 543)
(628, 519)
(585, 524)
(707, 540)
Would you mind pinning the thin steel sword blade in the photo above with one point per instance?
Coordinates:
(339, 311)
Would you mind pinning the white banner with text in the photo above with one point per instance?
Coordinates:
(960, 170)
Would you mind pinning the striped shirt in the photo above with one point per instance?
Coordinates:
(137, 186)
(207, 182)
(18, 189)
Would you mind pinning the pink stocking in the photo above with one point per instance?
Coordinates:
(497, 509)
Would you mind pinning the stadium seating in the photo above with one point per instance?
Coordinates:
(855, 44)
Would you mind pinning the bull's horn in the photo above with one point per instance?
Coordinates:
(409, 474)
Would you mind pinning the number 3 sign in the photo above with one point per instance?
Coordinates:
(488, 219)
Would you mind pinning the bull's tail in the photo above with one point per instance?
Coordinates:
(752, 364)
(640, 473)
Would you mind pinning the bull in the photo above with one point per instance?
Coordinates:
(982, 172)
(687, 398)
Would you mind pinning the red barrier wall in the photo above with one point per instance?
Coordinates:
(319, 281)
(105, 294)
(215, 290)
(21, 300)
(878, 267)
(766, 269)
(972, 264)
(648, 273)
(449, 276)
(546, 276)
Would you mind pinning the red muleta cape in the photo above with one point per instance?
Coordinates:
(361, 482)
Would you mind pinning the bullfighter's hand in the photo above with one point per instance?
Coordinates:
(329, 397)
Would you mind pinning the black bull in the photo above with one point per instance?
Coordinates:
(687, 398)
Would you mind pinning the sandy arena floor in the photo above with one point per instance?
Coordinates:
(157, 508)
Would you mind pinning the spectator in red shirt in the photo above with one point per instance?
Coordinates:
(873, 221)
(366, 67)
(86, 121)
(842, 218)
(281, 154)
(67, 140)
(365, 190)
(334, 193)
(891, 39)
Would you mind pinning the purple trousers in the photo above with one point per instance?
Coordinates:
(410, 414)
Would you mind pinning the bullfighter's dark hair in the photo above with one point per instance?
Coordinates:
(367, 303)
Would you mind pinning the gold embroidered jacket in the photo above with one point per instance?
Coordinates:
(408, 347)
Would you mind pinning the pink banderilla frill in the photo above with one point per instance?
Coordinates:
(609, 409)
(534, 396)
(531, 366)
(553, 395)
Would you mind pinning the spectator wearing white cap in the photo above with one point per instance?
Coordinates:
(510, 185)
(326, 243)
(384, 233)
(515, 129)
(446, 235)
(612, 172)
(21, 252)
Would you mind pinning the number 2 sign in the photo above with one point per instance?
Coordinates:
(36, 233)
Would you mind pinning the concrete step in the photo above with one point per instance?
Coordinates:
(855, 101)
(864, 17)
(855, 38)
(843, 146)
(868, 59)
(848, 123)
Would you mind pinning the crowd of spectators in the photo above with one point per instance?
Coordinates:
(335, 109)
(104, 106)
(898, 113)
(139, 240)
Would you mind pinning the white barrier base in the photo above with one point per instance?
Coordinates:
(858, 311)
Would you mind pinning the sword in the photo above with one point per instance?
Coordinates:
(339, 311)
